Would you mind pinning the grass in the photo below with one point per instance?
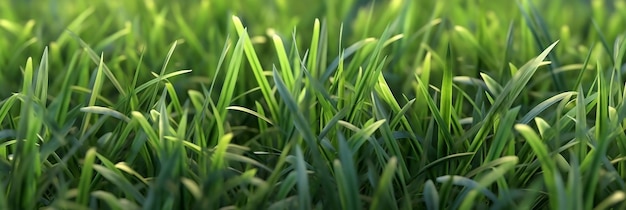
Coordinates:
(244, 104)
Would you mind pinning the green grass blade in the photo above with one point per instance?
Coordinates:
(383, 196)
(304, 199)
(547, 164)
(99, 61)
(257, 69)
(96, 86)
(86, 177)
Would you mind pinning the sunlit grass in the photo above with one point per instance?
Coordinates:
(248, 104)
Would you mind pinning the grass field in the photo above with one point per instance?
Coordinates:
(278, 104)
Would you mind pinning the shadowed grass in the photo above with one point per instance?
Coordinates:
(352, 104)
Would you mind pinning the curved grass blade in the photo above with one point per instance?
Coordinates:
(468, 183)
(615, 198)
(504, 101)
(99, 61)
(113, 202)
(507, 164)
(105, 111)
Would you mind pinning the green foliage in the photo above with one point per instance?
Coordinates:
(355, 104)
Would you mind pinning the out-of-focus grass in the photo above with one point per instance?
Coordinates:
(249, 104)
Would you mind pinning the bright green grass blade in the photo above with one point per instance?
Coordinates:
(26, 166)
(314, 59)
(445, 103)
(163, 124)
(122, 166)
(542, 126)
(174, 99)
(220, 152)
(10, 26)
(299, 121)
(257, 69)
(64, 98)
(285, 66)
(362, 135)
(147, 128)
(228, 89)
(447, 136)
(7, 104)
(301, 124)
(320, 91)
(158, 194)
(96, 86)
(158, 79)
(581, 125)
(27, 86)
(384, 92)
(602, 132)
(162, 72)
(547, 164)
(41, 90)
(86, 177)
(491, 84)
(351, 50)
(510, 92)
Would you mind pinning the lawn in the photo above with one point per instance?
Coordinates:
(279, 104)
